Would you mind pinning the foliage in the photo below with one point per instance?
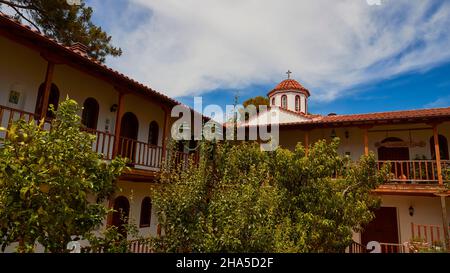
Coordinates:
(241, 199)
(52, 184)
(111, 240)
(66, 23)
(420, 245)
(256, 101)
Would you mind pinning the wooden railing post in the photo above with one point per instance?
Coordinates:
(166, 132)
(306, 143)
(47, 88)
(118, 123)
(366, 141)
(437, 152)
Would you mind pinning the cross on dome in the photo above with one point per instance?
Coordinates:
(289, 74)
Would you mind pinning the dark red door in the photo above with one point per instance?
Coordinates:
(128, 136)
(383, 228)
(399, 169)
(120, 214)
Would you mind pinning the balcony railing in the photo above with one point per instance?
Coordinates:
(414, 171)
(140, 154)
(430, 234)
(145, 155)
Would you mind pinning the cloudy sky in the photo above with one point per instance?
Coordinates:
(352, 56)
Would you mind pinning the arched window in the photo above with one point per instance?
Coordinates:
(273, 101)
(53, 99)
(443, 148)
(90, 113)
(153, 133)
(284, 101)
(146, 212)
(297, 103)
(121, 213)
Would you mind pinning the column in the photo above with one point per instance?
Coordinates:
(437, 152)
(306, 143)
(47, 88)
(366, 141)
(118, 123)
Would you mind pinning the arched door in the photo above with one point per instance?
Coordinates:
(391, 150)
(89, 117)
(121, 214)
(128, 135)
(443, 148)
(53, 99)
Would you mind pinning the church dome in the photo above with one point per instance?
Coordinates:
(289, 85)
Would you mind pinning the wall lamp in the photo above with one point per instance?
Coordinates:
(411, 211)
(113, 108)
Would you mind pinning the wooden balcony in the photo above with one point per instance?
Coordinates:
(429, 234)
(409, 177)
(145, 159)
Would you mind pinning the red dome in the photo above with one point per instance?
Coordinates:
(289, 84)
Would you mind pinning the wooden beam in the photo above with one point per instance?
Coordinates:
(47, 88)
(306, 143)
(366, 141)
(445, 221)
(118, 123)
(437, 152)
(166, 131)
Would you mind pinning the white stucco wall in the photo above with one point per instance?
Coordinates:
(427, 211)
(354, 144)
(290, 100)
(25, 72)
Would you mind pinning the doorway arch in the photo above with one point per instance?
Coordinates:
(443, 148)
(395, 153)
(121, 214)
(89, 117)
(129, 129)
(53, 99)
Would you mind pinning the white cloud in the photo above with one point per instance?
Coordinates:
(192, 46)
(443, 101)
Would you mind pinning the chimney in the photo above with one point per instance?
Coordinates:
(80, 48)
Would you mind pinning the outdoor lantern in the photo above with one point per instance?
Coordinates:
(411, 211)
(333, 134)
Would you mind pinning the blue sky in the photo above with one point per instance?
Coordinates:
(365, 59)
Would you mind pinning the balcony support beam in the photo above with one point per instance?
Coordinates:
(166, 132)
(47, 88)
(118, 123)
(437, 152)
(365, 129)
(306, 143)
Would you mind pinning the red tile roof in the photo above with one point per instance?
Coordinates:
(290, 84)
(400, 116)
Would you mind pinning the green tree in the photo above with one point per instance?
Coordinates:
(241, 199)
(52, 184)
(256, 101)
(67, 23)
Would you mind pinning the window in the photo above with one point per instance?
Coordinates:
(443, 147)
(89, 117)
(273, 101)
(120, 214)
(297, 103)
(146, 212)
(284, 101)
(53, 99)
(153, 133)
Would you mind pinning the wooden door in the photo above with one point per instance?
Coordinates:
(383, 229)
(128, 136)
(121, 214)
